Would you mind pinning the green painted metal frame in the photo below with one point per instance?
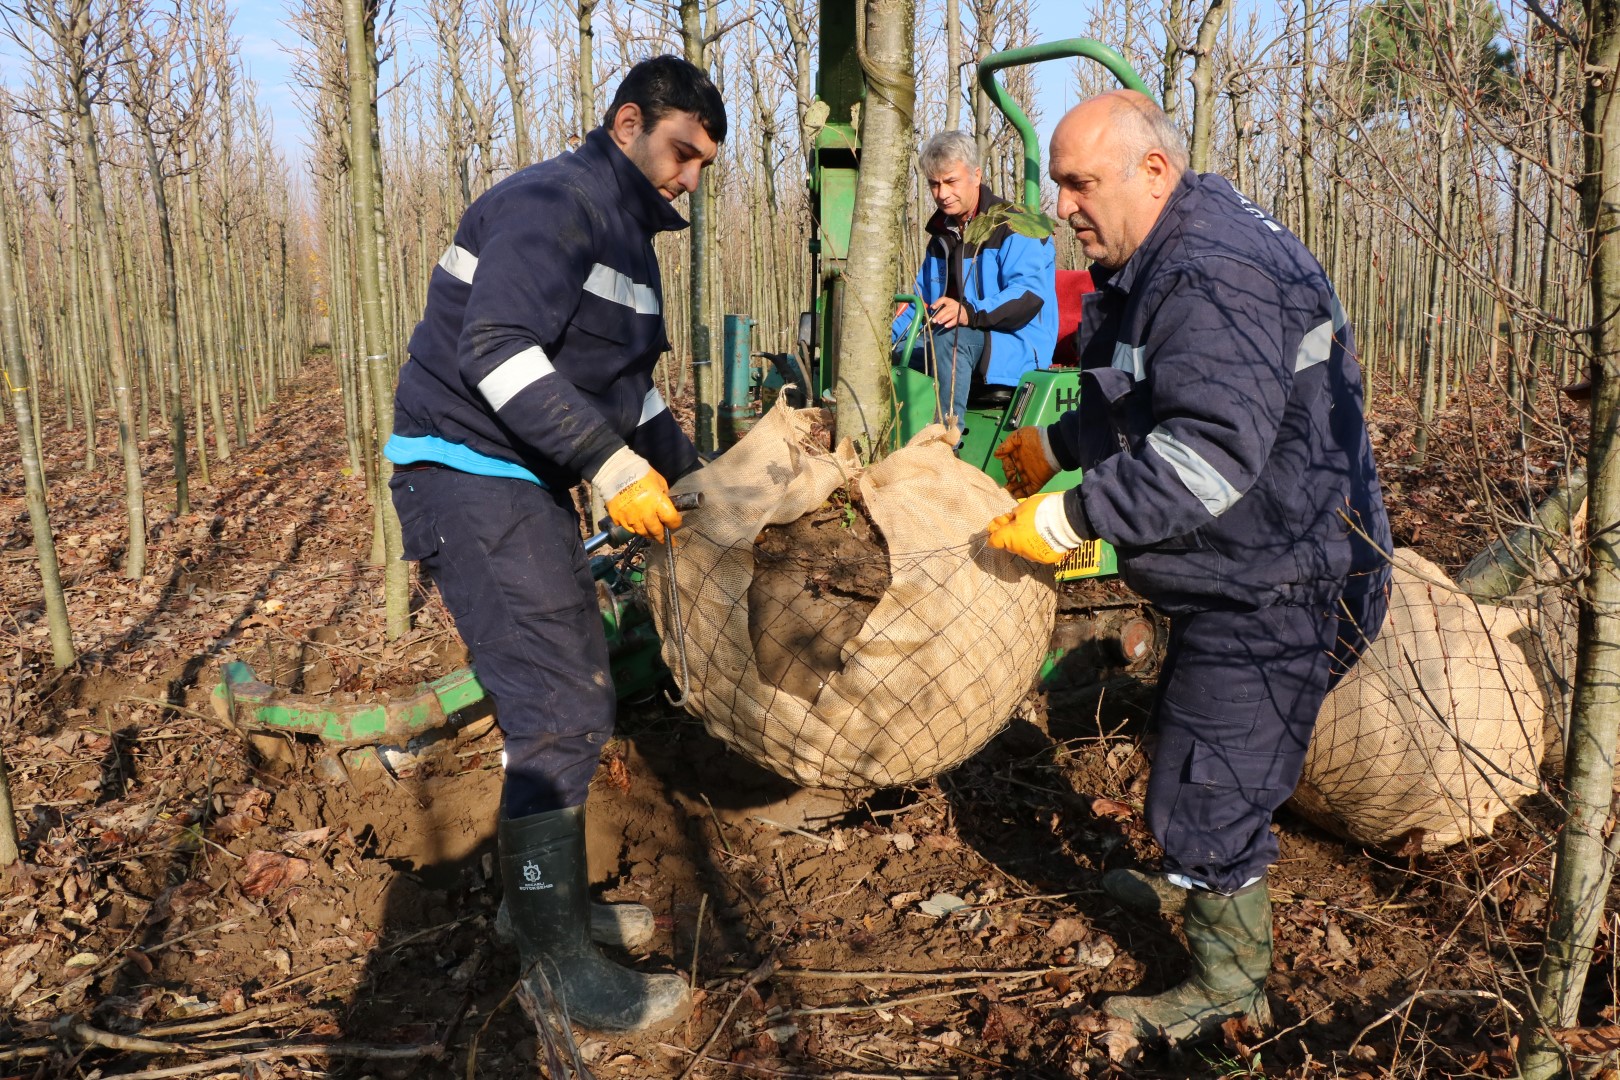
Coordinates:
(1034, 54)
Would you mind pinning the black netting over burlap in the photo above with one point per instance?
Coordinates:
(847, 626)
(1442, 725)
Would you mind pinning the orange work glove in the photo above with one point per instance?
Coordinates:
(637, 495)
(1026, 458)
(1037, 529)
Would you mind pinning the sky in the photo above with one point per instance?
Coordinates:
(259, 27)
(263, 41)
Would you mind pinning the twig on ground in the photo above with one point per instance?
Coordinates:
(364, 1052)
(107, 1040)
(170, 706)
(871, 1006)
(764, 971)
(252, 1015)
(718, 828)
(933, 976)
(841, 1074)
(1412, 998)
(812, 837)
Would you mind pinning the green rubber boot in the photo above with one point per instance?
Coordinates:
(1149, 894)
(543, 871)
(1230, 941)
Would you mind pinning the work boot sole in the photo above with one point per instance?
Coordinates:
(637, 1003)
(1186, 1013)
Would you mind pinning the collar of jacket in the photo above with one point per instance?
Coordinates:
(1124, 278)
(939, 224)
(644, 201)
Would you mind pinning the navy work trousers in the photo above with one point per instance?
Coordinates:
(507, 558)
(950, 357)
(1238, 700)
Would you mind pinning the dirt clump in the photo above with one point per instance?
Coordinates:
(815, 582)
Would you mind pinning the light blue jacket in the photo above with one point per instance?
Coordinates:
(1008, 285)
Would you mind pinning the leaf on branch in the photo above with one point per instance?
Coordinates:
(1030, 223)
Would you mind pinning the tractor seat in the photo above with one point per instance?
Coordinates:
(989, 397)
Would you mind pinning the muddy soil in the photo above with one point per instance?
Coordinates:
(815, 582)
(277, 911)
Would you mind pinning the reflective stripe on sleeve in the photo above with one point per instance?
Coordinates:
(1211, 488)
(514, 374)
(1317, 345)
(651, 406)
(1129, 358)
(459, 263)
(609, 284)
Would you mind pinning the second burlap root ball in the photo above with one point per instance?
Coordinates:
(937, 666)
(1439, 729)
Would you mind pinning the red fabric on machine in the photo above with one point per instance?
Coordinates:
(1072, 286)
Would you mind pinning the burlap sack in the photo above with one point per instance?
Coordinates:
(938, 665)
(1438, 729)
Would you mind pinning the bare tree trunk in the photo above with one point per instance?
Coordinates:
(953, 64)
(585, 85)
(864, 391)
(512, 70)
(203, 289)
(1174, 19)
(1203, 84)
(72, 37)
(1588, 845)
(1429, 361)
(984, 28)
(803, 94)
(21, 395)
(9, 851)
(706, 387)
(1307, 129)
(360, 49)
(1547, 298)
(140, 109)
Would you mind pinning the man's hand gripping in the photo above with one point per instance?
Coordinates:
(637, 495)
(1026, 458)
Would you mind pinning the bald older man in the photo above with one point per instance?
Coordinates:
(1225, 456)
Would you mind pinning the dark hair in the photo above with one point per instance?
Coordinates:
(667, 84)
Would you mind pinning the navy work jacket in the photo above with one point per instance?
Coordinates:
(1220, 423)
(543, 322)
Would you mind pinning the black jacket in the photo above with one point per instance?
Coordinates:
(544, 320)
(1220, 423)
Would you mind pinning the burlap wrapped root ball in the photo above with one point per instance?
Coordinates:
(1439, 729)
(930, 673)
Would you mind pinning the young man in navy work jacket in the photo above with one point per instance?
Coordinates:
(531, 370)
(992, 308)
(1225, 452)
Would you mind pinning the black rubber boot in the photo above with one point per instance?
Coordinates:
(1149, 894)
(1230, 941)
(547, 898)
(623, 926)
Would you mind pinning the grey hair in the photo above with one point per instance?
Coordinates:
(1142, 128)
(946, 149)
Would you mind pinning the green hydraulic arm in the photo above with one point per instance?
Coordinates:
(1034, 54)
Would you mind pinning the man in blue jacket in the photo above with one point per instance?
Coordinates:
(992, 308)
(1225, 452)
(531, 370)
